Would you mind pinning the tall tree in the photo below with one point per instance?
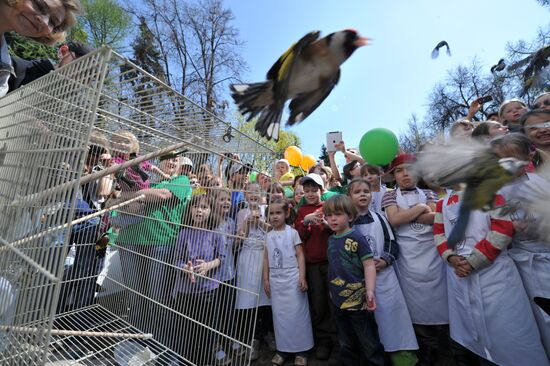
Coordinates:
(324, 155)
(146, 54)
(105, 22)
(199, 47)
(213, 56)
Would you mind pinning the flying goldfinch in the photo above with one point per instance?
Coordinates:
(470, 163)
(306, 73)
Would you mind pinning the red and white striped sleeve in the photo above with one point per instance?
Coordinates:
(439, 233)
(498, 238)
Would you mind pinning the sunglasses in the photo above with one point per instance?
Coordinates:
(538, 125)
(539, 105)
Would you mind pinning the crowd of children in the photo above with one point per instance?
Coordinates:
(341, 267)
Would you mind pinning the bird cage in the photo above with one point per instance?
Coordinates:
(123, 281)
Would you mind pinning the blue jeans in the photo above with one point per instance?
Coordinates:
(358, 337)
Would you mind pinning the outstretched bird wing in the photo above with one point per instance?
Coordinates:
(281, 71)
(453, 163)
(303, 105)
(435, 52)
(535, 195)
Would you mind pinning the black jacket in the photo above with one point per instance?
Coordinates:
(27, 71)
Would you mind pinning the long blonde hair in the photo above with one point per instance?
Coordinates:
(72, 9)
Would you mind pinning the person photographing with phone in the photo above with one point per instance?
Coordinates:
(476, 106)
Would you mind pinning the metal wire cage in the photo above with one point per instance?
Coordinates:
(86, 279)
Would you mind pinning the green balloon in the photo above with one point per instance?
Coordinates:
(252, 177)
(379, 146)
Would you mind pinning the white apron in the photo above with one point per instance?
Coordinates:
(489, 311)
(420, 270)
(392, 316)
(250, 264)
(376, 200)
(291, 319)
(532, 259)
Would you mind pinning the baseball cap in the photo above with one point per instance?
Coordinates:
(401, 159)
(236, 168)
(186, 161)
(315, 178)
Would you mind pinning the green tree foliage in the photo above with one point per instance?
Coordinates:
(28, 49)
(286, 138)
(265, 162)
(146, 53)
(324, 155)
(105, 22)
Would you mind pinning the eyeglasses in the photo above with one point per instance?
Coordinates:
(539, 105)
(538, 125)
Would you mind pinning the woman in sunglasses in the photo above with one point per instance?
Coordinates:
(44, 21)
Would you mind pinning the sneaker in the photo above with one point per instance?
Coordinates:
(300, 361)
(221, 358)
(269, 339)
(255, 352)
(278, 360)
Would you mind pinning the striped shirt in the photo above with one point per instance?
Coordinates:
(487, 249)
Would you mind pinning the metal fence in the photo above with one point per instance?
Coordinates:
(165, 272)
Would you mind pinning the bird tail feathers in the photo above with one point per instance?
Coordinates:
(459, 229)
(269, 122)
(252, 98)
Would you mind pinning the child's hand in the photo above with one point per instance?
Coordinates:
(380, 264)
(461, 265)
(302, 284)
(190, 271)
(316, 217)
(426, 208)
(203, 267)
(267, 288)
(371, 301)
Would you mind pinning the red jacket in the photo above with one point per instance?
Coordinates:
(315, 237)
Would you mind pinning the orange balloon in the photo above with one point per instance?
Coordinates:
(308, 161)
(294, 155)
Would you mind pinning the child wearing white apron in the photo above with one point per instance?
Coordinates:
(531, 255)
(490, 313)
(392, 316)
(291, 319)
(419, 269)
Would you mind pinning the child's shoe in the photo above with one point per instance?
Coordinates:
(300, 361)
(278, 360)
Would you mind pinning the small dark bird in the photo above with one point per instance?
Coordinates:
(536, 64)
(306, 74)
(470, 163)
(499, 66)
(435, 52)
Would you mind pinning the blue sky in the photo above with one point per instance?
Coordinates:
(382, 84)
